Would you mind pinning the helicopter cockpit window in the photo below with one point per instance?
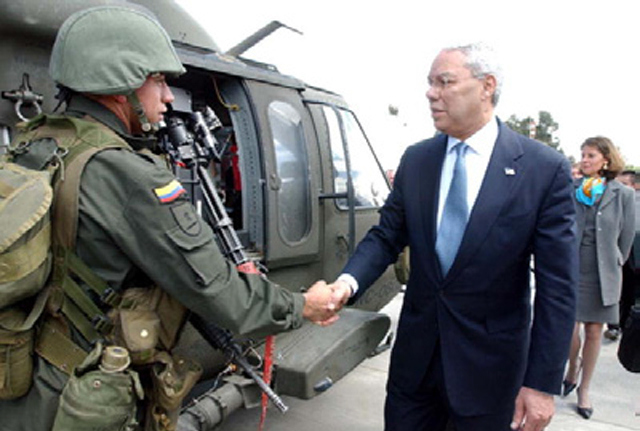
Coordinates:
(370, 187)
(294, 198)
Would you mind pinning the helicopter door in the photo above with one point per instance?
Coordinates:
(354, 185)
(292, 175)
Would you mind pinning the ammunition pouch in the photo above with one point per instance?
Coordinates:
(17, 333)
(172, 379)
(16, 362)
(146, 321)
(97, 399)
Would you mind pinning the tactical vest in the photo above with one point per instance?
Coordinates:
(145, 320)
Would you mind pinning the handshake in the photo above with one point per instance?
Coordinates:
(323, 301)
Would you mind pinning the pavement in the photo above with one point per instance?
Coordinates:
(356, 402)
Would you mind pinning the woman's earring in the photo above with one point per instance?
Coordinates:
(605, 166)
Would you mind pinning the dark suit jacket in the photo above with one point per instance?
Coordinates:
(481, 312)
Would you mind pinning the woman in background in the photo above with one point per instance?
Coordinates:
(605, 215)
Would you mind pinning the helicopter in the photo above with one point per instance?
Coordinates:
(296, 174)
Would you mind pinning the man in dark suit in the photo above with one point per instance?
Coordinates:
(469, 350)
(629, 277)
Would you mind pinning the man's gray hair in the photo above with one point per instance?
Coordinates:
(482, 61)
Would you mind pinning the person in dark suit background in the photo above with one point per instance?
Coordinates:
(629, 279)
(468, 350)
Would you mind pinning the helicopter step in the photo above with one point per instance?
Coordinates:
(312, 358)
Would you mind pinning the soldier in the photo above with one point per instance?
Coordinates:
(136, 230)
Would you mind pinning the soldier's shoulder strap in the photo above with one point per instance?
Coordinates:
(77, 140)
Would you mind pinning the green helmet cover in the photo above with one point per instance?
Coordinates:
(111, 50)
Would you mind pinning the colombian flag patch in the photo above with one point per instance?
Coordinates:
(170, 192)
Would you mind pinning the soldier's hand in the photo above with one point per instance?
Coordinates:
(319, 306)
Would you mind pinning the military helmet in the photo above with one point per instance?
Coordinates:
(111, 50)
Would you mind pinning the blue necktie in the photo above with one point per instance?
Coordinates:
(454, 214)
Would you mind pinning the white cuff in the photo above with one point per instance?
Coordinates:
(351, 281)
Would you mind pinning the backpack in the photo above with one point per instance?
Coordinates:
(25, 264)
(39, 176)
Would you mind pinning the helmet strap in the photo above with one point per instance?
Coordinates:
(145, 124)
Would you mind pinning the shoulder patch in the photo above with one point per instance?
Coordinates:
(185, 216)
(170, 192)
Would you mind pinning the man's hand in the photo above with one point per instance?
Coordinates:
(534, 410)
(341, 293)
(319, 306)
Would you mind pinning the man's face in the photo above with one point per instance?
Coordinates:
(626, 179)
(575, 171)
(460, 104)
(154, 96)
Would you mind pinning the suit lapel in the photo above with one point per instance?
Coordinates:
(503, 172)
(609, 194)
(431, 166)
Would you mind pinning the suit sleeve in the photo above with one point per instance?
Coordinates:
(556, 278)
(627, 234)
(384, 241)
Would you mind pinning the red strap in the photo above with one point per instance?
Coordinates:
(268, 365)
(250, 268)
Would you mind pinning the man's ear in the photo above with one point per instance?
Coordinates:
(120, 98)
(489, 85)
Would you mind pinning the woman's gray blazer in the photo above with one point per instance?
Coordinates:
(615, 231)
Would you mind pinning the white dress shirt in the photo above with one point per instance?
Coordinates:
(477, 158)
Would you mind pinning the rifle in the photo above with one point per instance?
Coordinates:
(196, 149)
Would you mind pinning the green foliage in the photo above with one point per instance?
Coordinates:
(545, 127)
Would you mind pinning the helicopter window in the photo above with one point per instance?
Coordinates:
(294, 198)
(370, 187)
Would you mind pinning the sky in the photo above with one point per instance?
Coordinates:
(575, 60)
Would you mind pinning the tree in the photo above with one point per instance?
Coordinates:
(542, 129)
